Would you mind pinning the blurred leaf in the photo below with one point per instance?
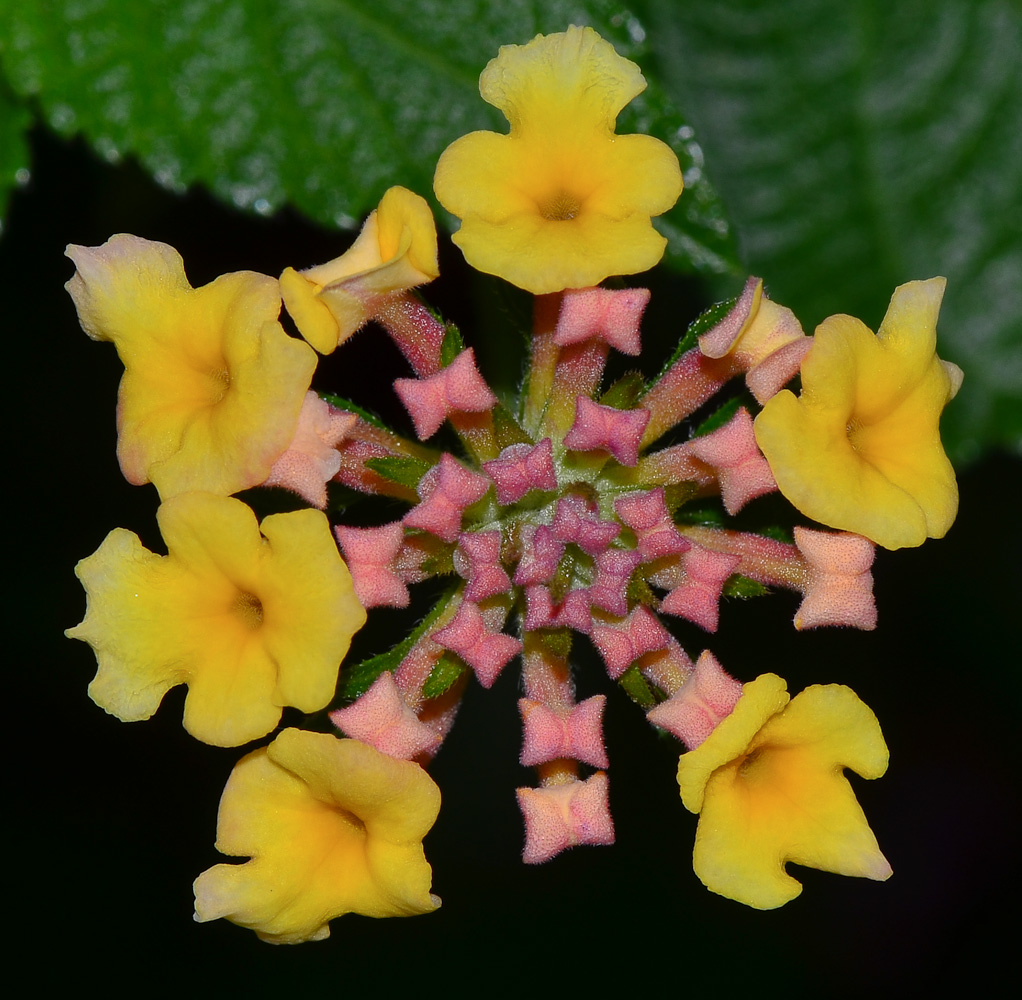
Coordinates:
(323, 103)
(861, 144)
(14, 120)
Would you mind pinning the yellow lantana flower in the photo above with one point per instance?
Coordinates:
(860, 448)
(251, 617)
(560, 202)
(769, 787)
(331, 826)
(212, 384)
(396, 250)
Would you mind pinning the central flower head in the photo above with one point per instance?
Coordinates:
(560, 202)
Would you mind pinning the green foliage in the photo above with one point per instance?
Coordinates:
(637, 688)
(14, 120)
(625, 392)
(404, 471)
(706, 320)
(445, 673)
(452, 344)
(859, 145)
(346, 404)
(320, 103)
(719, 417)
(357, 679)
(743, 587)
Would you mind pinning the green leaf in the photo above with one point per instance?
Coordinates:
(452, 344)
(356, 680)
(862, 144)
(637, 688)
(719, 417)
(507, 429)
(340, 403)
(321, 103)
(14, 159)
(398, 469)
(706, 320)
(625, 392)
(443, 676)
(743, 587)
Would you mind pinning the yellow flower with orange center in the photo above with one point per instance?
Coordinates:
(561, 201)
(769, 787)
(860, 449)
(212, 384)
(251, 617)
(331, 826)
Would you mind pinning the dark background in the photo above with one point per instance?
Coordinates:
(112, 821)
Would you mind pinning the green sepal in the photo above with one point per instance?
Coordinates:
(556, 641)
(703, 514)
(340, 403)
(400, 469)
(507, 429)
(452, 344)
(444, 675)
(677, 494)
(356, 680)
(637, 688)
(625, 392)
(640, 591)
(737, 585)
(440, 563)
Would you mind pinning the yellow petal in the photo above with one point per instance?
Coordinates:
(249, 621)
(561, 202)
(212, 385)
(860, 448)
(781, 796)
(331, 826)
(395, 251)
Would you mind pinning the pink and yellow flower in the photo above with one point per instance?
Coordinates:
(860, 449)
(251, 617)
(395, 251)
(561, 201)
(769, 787)
(330, 826)
(212, 384)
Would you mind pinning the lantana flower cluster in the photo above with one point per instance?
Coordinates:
(572, 516)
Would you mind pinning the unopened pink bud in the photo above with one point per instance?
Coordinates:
(609, 590)
(647, 515)
(384, 720)
(311, 459)
(458, 388)
(605, 428)
(608, 314)
(446, 490)
(694, 710)
(370, 554)
(575, 520)
(549, 734)
(477, 559)
(742, 470)
(486, 650)
(697, 597)
(839, 585)
(561, 816)
(520, 468)
(573, 612)
(622, 643)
